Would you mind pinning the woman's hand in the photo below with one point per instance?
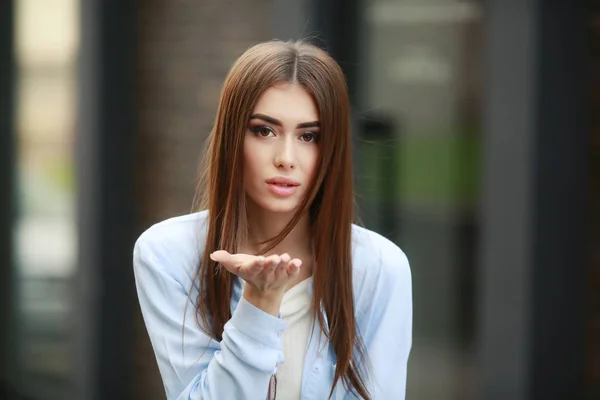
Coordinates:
(266, 277)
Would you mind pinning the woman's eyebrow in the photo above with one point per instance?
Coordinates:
(271, 120)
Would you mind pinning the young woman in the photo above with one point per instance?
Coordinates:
(270, 291)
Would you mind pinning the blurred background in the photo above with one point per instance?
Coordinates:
(477, 150)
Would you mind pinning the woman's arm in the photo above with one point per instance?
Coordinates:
(387, 325)
(192, 365)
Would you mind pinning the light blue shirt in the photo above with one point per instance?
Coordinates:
(194, 366)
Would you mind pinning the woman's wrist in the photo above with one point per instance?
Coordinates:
(268, 301)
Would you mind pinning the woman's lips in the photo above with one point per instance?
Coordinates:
(282, 189)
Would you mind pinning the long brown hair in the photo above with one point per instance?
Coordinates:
(330, 201)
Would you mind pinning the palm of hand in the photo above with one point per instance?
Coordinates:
(270, 273)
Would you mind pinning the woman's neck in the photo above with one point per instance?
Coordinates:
(264, 225)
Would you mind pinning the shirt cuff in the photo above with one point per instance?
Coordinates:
(257, 324)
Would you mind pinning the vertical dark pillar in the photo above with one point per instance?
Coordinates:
(105, 290)
(334, 25)
(338, 28)
(7, 186)
(562, 241)
(534, 236)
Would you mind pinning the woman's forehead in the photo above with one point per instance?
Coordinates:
(288, 103)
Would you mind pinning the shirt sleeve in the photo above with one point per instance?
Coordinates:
(388, 326)
(194, 366)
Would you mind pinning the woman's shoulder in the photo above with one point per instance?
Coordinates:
(176, 228)
(375, 258)
(176, 243)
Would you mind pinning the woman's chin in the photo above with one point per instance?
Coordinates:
(280, 207)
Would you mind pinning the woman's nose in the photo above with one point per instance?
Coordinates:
(285, 155)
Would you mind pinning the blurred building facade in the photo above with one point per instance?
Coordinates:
(477, 150)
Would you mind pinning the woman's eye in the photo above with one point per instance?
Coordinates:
(308, 137)
(262, 131)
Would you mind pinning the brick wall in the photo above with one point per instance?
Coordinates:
(185, 50)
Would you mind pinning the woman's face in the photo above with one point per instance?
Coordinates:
(281, 148)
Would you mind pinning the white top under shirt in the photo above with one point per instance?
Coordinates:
(296, 311)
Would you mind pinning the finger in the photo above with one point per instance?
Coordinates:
(225, 260)
(280, 272)
(293, 267)
(273, 258)
(221, 256)
(237, 264)
(234, 269)
(224, 257)
(271, 262)
(253, 267)
(285, 258)
(270, 266)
